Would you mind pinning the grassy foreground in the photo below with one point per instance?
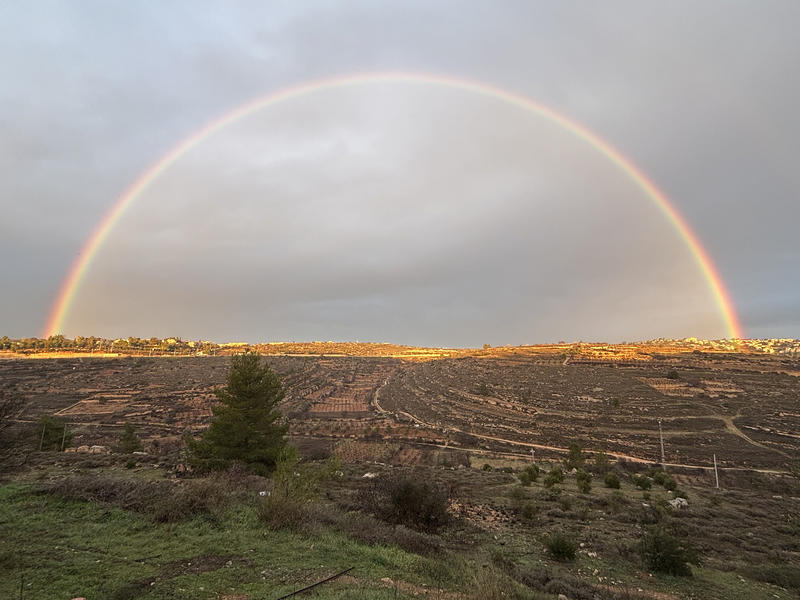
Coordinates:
(52, 548)
(107, 528)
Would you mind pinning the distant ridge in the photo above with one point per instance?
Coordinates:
(60, 346)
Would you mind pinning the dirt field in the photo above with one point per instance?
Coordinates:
(743, 408)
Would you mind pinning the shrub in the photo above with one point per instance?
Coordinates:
(529, 511)
(129, 442)
(487, 467)
(584, 481)
(664, 553)
(670, 485)
(575, 457)
(786, 576)
(642, 482)
(368, 530)
(525, 478)
(52, 433)
(162, 501)
(616, 501)
(532, 471)
(407, 501)
(673, 375)
(659, 477)
(554, 476)
(203, 497)
(517, 494)
(560, 547)
(611, 480)
(295, 487)
(601, 462)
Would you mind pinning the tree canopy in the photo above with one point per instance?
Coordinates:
(246, 426)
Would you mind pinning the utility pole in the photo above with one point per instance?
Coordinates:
(716, 473)
(63, 437)
(661, 438)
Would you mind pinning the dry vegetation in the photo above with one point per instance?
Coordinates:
(465, 427)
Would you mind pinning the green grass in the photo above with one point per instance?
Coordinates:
(60, 549)
(64, 549)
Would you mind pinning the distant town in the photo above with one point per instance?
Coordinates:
(175, 346)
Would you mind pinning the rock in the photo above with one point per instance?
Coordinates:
(562, 597)
(679, 503)
(369, 475)
(99, 450)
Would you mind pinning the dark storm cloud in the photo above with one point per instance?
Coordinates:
(702, 97)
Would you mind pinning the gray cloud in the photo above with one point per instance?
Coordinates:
(340, 216)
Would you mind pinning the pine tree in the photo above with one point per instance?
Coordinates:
(246, 426)
(129, 442)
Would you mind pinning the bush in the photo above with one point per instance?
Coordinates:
(407, 501)
(129, 442)
(584, 481)
(533, 471)
(601, 462)
(529, 511)
(162, 501)
(670, 485)
(52, 434)
(611, 480)
(554, 476)
(295, 487)
(517, 494)
(786, 576)
(616, 501)
(575, 458)
(673, 375)
(366, 529)
(486, 467)
(204, 497)
(659, 477)
(642, 482)
(560, 547)
(664, 553)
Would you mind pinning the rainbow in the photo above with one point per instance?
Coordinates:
(81, 265)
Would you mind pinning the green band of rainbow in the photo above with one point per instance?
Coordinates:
(71, 284)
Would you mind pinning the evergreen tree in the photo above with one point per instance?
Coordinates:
(246, 426)
(575, 457)
(52, 433)
(129, 442)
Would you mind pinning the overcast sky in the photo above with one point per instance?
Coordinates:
(401, 212)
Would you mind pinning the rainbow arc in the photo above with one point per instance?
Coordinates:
(94, 243)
